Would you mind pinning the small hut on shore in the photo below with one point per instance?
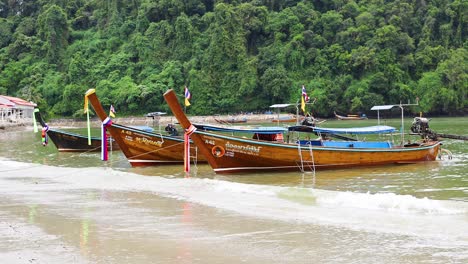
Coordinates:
(15, 111)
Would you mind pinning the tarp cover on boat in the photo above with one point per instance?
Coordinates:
(351, 130)
(242, 129)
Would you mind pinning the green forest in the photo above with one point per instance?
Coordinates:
(235, 55)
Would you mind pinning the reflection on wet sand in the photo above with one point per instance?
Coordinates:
(185, 249)
(32, 213)
(84, 236)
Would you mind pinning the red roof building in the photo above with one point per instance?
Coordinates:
(15, 110)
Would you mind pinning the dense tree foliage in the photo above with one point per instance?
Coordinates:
(236, 55)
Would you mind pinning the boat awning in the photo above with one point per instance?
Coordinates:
(155, 114)
(280, 105)
(356, 130)
(383, 107)
(242, 129)
(351, 130)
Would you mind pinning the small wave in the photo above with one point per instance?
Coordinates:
(381, 201)
(382, 212)
(392, 202)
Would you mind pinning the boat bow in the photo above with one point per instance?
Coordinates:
(176, 109)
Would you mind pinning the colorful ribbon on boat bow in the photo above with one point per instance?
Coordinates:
(106, 123)
(45, 138)
(34, 120)
(86, 111)
(187, 134)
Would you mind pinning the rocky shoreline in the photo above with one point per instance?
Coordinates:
(163, 120)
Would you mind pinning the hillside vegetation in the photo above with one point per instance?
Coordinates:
(235, 55)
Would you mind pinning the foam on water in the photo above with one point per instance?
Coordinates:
(381, 212)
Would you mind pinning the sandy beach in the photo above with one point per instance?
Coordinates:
(165, 119)
(137, 121)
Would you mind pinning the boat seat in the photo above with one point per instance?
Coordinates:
(309, 142)
(357, 144)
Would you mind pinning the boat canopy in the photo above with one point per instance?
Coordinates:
(351, 130)
(383, 107)
(242, 129)
(152, 114)
(280, 105)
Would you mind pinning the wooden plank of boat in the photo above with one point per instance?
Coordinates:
(144, 148)
(230, 154)
(72, 142)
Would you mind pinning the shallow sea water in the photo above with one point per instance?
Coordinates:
(73, 208)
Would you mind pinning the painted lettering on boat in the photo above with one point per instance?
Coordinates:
(210, 142)
(248, 149)
(126, 132)
(128, 138)
(148, 141)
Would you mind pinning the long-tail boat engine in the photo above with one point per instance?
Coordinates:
(421, 126)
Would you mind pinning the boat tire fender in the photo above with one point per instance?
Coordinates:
(218, 151)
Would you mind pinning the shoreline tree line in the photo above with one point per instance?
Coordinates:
(236, 55)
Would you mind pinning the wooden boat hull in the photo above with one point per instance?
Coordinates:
(70, 142)
(287, 120)
(350, 118)
(144, 148)
(291, 120)
(234, 154)
(228, 154)
(340, 117)
(148, 149)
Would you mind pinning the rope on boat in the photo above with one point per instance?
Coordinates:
(86, 152)
(153, 151)
(125, 158)
(312, 157)
(195, 160)
(300, 156)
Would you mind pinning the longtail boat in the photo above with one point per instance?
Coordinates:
(71, 142)
(232, 120)
(145, 148)
(287, 119)
(350, 117)
(230, 154)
